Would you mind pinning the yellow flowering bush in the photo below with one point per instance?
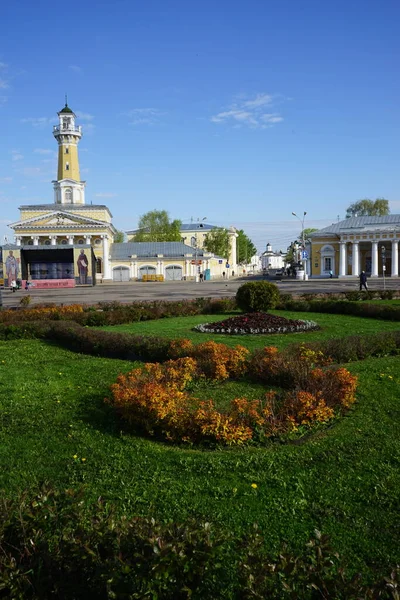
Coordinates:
(155, 398)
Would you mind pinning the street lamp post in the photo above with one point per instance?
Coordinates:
(303, 242)
(196, 271)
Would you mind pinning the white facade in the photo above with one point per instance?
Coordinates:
(271, 259)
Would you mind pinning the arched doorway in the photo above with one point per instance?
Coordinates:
(173, 273)
(121, 274)
(146, 270)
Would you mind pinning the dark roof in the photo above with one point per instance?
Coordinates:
(358, 224)
(125, 250)
(66, 109)
(193, 226)
(187, 227)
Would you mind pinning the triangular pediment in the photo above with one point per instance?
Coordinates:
(57, 218)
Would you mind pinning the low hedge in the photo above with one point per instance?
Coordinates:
(53, 545)
(158, 349)
(341, 307)
(114, 313)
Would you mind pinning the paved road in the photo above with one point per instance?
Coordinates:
(179, 290)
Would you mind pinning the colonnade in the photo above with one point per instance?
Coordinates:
(356, 256)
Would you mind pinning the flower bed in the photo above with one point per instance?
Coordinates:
(157, 398)
(257, 323)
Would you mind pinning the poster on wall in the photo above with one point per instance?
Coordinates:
(83, 266)
(11, 263)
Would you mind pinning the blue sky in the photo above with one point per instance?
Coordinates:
(238, 112)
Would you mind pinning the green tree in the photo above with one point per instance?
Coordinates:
(217, 242)
(245, 248)
(368, 208)
(306, 233)
(119, 237)
(156, 226)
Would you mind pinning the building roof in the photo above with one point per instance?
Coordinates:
(195, 226)
(125, 250)
(66, 109)
(359, 224)
(186, 227)
(64, 207)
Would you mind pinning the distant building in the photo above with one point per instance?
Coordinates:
(357, 244)
(271, 259)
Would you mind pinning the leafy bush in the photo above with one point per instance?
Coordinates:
(53, 545)
(257, 296)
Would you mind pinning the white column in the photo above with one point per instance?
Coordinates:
(342, 259)
(395, 258)
(71, 240)
(53, 240)
(18, 240)
(87, 239)
(355, 264)
(374, 265)
(35, 240)
(106, 260)
(187, 268)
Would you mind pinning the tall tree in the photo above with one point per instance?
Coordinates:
(245, 248)
(368, 208)
(217, 242)
(119, 237)
(156, 226)
(306, 233)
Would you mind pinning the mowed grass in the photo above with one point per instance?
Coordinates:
(344, 481)
(332, 326)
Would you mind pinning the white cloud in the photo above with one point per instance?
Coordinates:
(76, 69)
(3, 66)
(4, 84)
(259, 100)
(82, 116)
(43, 151)
(6, 179)
(16, 155)
(249, 112)
(143, 116)
(105, 195)
(38, 121)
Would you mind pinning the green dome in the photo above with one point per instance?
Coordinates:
(66, 109)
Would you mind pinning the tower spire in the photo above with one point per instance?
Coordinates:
(68, 189)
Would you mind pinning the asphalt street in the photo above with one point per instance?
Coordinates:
(180, 290)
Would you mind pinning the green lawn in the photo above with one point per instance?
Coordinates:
(344, 481)
(332, 326)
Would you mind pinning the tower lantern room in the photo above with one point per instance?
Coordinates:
(68, 189)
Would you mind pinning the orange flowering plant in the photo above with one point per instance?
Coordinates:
(155, 398)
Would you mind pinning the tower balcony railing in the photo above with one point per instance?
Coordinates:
(68, 129)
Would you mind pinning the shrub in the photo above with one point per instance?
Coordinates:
(155, 399)
(257, 296)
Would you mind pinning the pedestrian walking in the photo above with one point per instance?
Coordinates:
(363, 281)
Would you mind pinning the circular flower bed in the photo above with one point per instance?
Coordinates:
(157, 399)
(257, 323)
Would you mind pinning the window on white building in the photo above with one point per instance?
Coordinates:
(68, 195)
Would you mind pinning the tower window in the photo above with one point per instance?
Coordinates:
(67, 150)
(67, 166)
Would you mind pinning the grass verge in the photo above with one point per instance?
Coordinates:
(344, 481)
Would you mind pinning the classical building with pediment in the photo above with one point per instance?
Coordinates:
(66, 224)
(70, 243)
(346, 248)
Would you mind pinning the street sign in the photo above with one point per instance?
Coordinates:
(227, 265)
(304, 255)
(197, 262)
(220, 262)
